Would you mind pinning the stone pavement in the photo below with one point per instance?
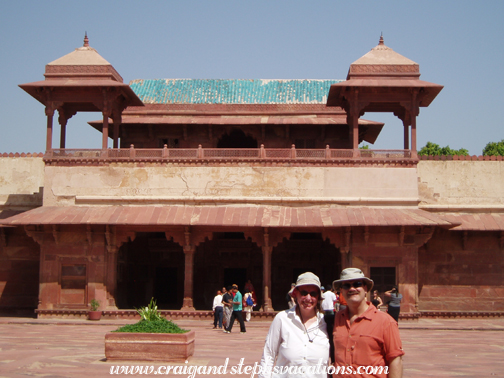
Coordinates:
(75, 348)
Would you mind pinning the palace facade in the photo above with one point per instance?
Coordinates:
(214, 182)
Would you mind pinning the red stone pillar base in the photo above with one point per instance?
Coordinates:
(187, 305)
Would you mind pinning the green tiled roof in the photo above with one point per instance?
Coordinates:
(230, 91)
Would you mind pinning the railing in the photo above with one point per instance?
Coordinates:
(167, 154)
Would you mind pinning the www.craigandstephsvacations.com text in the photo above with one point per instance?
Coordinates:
(192, 371)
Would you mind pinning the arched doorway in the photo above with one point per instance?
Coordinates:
(227, 259)
(150, 267)
(303, 252)
(236, 139)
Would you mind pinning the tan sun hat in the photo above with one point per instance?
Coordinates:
(353, 274)
(308, 278)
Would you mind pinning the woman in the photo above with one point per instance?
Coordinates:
(248, 305)
(376, 300)
(297, 344)
(394, 302)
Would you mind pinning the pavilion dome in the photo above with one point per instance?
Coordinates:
(83, 63)
(382, 61)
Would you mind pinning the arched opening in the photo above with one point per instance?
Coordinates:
(236, 139)
(303, 252)
(150, 267)
(227, 259)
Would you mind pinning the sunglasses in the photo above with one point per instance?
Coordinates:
(355, 284)
(304, 293)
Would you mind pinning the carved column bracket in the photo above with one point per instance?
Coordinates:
(36, 234)
(401, 236)
(56, 234)
(89, 235)
(366, 235)
(3, 238)
(424, 236)
(347, 239)
(465, 236)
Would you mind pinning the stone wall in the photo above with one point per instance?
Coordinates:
(461, 184)
(461, 276)
(137, 184)
(21, 182)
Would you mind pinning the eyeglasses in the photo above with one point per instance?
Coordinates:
(304, 293)
(355, 284)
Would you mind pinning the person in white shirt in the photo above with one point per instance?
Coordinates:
(328, 302)
(217, 309)
(248, 305)
(297, 344)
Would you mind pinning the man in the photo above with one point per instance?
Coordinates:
(227, 298)
(237, 311)
(289, 299)
(328, 302)
(218, 311)
(366, 340)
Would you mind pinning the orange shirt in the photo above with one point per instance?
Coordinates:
(372, 340)
(342, 300)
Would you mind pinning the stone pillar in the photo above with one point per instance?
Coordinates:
(406, 135)
(414, 113)
(117, 122)
(49, 111)
(188, 279)
(105, 130)
(189, 250)
(267, 278)
(63, 134)
(407, 278)
(48, 271)
(413, 137)
(111, 276)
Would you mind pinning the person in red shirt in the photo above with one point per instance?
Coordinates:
(366, 340)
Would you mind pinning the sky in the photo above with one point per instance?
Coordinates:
(457, 43)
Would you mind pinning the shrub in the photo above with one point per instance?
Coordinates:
(94, 304)
(152, 322)
(152, 326)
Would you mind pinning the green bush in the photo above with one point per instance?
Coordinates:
(152, 322)
(94, 304)
(152, 326)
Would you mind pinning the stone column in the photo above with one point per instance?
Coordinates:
(105, 130)
(117, 122)
(188, 279)
(111, 276)
(414, 113)
(406, 135)
(267, 277)
(407, 278)
(49, 111)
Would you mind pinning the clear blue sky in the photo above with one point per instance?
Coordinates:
(458, 44)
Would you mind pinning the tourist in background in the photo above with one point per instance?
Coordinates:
(227, 306)
(376, 300)
(394, 299)
(218, 310)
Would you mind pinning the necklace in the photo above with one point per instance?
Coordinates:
(307, 334)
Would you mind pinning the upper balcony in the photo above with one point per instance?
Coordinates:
(230, 156)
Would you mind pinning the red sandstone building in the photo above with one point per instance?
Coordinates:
(213, 182)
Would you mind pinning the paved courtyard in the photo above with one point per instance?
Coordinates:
(75, 348)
